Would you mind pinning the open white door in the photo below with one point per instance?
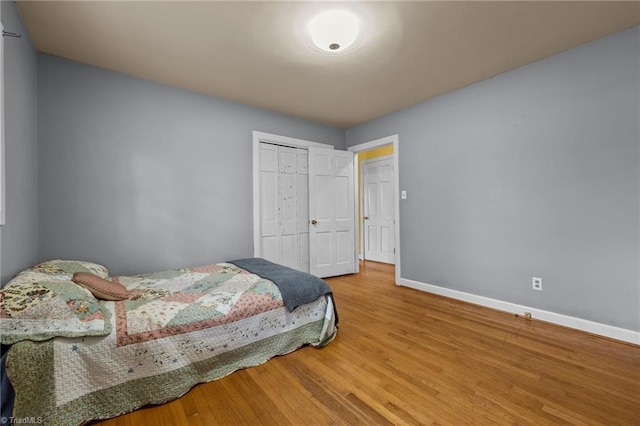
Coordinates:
(378, 210)
(331, 213)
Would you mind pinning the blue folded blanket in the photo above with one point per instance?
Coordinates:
(297, 288)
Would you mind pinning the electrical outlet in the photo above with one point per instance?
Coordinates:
(527, 315)
(536, 283)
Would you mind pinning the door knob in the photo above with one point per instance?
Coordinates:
(366, 218)
(314, 222)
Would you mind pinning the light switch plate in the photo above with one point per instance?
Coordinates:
(403, 195)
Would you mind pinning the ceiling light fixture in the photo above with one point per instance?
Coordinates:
(334, 31)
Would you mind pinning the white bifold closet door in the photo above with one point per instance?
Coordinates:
(284, 209)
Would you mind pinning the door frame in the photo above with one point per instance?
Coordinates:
(395, 141)
(259, 137)
(361, 196)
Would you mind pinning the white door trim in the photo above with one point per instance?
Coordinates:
(278, 140)
(394, 140)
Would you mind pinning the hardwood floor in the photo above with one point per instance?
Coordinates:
(407, 357)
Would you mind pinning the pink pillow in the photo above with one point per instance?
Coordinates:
(101, 288)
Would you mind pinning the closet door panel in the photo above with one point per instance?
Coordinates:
(284, 205)
(269, 203)
(270, 250)
(288, 199)
(303, 244)
(303, 209)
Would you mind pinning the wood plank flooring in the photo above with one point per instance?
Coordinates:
(407, 357)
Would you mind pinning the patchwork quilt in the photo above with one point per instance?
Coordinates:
(179, 328)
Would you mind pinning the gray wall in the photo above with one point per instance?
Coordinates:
(19, 235)
(531, 173)
(141, 176)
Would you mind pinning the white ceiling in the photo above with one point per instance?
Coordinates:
(255, 52)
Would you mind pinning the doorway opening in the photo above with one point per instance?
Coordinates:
(376, 212)
(378, 205)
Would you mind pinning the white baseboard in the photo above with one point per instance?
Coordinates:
(610, 331)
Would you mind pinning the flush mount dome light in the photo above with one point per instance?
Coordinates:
(334, 31)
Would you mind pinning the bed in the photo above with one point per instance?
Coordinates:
(74, 358)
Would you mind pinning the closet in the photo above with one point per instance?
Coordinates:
(284, 205)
